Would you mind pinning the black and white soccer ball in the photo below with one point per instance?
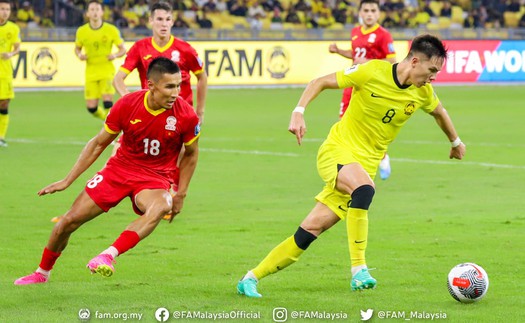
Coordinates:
(467, 282)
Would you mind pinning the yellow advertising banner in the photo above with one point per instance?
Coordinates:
(228, 63)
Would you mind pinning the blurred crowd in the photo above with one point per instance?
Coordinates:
(279, 14)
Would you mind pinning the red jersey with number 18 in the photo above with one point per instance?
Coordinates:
(153, 138)
(145, 50)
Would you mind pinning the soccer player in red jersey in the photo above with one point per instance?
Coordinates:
(369, 41)
(164, 44)
(156, 125)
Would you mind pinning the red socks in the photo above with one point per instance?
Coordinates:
(127, 240)
(48, 259)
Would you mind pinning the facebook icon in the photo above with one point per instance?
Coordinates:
(162, 314)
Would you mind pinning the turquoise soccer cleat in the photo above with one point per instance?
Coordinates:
(363, 280)
(248, 287)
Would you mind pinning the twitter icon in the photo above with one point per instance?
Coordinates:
(365, 316)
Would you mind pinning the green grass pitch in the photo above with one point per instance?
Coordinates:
(252, 187)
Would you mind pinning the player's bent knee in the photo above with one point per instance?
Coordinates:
(362, 197)
(67, 224)
(303, 238)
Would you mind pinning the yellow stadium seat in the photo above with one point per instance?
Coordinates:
(131, 17)
(444, 22)
(336, 26)
(432, 26)
(512, 19)
(457, 15)
(240, 21)
(436, 6)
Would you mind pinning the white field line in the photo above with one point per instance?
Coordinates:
(405, 142)
(284, 154)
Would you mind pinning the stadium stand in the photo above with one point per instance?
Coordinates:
(304, 19)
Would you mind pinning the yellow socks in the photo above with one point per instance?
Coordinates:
(282, 256)
(285, 254)
(357, 229)
(4, 123)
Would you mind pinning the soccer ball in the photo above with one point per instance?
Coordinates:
(467, 282)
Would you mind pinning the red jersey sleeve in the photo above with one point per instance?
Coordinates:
(113, 122)
(132, 59)
(192, 128)
(192, 61)
(196, 64)
(387, 44)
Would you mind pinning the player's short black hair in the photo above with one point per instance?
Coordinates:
(429, 45)
(6, 1)
(94, 1)
(368, 1)
(160, 66)
(161, 5)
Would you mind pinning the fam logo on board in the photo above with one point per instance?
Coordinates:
(44, 64)
(278, 62)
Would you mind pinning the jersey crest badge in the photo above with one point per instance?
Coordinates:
(410, 108)
(171, 121)
(175, 56)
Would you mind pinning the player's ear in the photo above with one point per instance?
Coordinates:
(151, 85)
(414, 60)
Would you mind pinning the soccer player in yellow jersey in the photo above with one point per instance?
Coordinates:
(9, 47)
(385, 96)
(97, 38)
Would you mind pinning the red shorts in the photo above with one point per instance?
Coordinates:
(347, 95)
(114, 182)
(174, 176)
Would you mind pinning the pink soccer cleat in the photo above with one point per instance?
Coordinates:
(102, 264)
(34, 278)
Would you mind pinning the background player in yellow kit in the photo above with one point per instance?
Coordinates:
(9, 47)
(97, 39)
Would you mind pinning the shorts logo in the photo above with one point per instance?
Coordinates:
(171, 121)
(197, 129)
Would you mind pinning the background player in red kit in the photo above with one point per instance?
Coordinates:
(156, 125)
(369, 41)
(164, 44)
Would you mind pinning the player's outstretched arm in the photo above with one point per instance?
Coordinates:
(187, 166)
(343, 52)
(87, 157)
(80, 55)
(118, 83)
(297, 124)
(202, 89)
(121, 52)
(443, 120)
